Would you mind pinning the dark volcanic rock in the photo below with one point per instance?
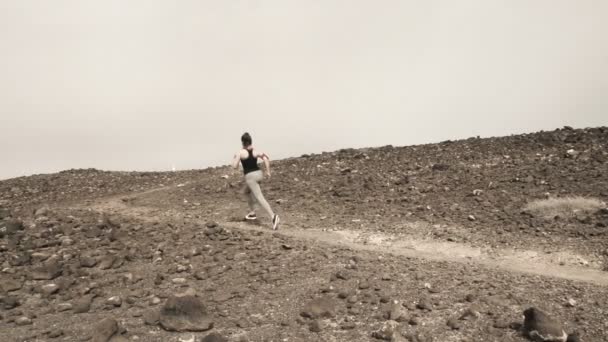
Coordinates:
(9, 284)
(8, 303)
(104, 330)
(87, 261)
(441, 167)
(151, 316)
(83, 304)
(4, 213)
(20, 259)
(214, 337)
(540, 327)
(10, 227)
(320, 308)
(388, 332)
(48, 271)
(316, 326)
(107, 262)
(185, 313)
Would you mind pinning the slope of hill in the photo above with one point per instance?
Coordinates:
(419, 243)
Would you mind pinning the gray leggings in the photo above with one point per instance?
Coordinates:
(253, 192)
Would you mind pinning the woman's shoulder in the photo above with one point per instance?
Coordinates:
(256, 152)
(244, 152)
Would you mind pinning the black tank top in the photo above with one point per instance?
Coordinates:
(250, 164)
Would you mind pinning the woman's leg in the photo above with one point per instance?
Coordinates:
(252, 179)
(250, 199)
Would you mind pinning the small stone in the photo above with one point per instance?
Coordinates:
(342, 275)
(501, 324)
(348, 326)
(43, 211)
(571, 303)
(107, 262)
(388, 332)
(104, 330)
(214, 337)
(471, 218)
(56, 333)
(10, 227)
(179, 281)
(454, 324)
(88, 262)
(39, 257)
(114, 301)
(316, 326)
(9, 285)
(4, 213)
(83, 304)
(395, 311)
(414, 321)
(48, 271)
(23, 320)
(425, 305)
(470, 314)
(49, 289)
(151, 316)
(64, 307)
(9, 302)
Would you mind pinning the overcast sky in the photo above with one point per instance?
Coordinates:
(144, 85)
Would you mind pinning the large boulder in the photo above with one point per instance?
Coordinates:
(320, 308)
(185, 313)
(538, 326)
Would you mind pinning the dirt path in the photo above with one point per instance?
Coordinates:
(565, 265)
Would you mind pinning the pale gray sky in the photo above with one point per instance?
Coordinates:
(144, 85)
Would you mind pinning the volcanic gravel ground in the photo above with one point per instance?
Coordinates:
(105, 256)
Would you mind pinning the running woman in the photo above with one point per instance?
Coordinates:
(253, 176)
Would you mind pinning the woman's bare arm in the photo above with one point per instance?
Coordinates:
(266, 160)
(236, 160)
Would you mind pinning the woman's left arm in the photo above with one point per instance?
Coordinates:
(266, 160)
(236, 160)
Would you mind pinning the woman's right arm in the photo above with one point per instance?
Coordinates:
(266, 160)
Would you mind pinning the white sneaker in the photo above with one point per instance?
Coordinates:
(275, 222)
(251, 216)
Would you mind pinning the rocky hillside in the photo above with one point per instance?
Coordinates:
(90, 255)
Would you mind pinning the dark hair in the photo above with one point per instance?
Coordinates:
(246, 139)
